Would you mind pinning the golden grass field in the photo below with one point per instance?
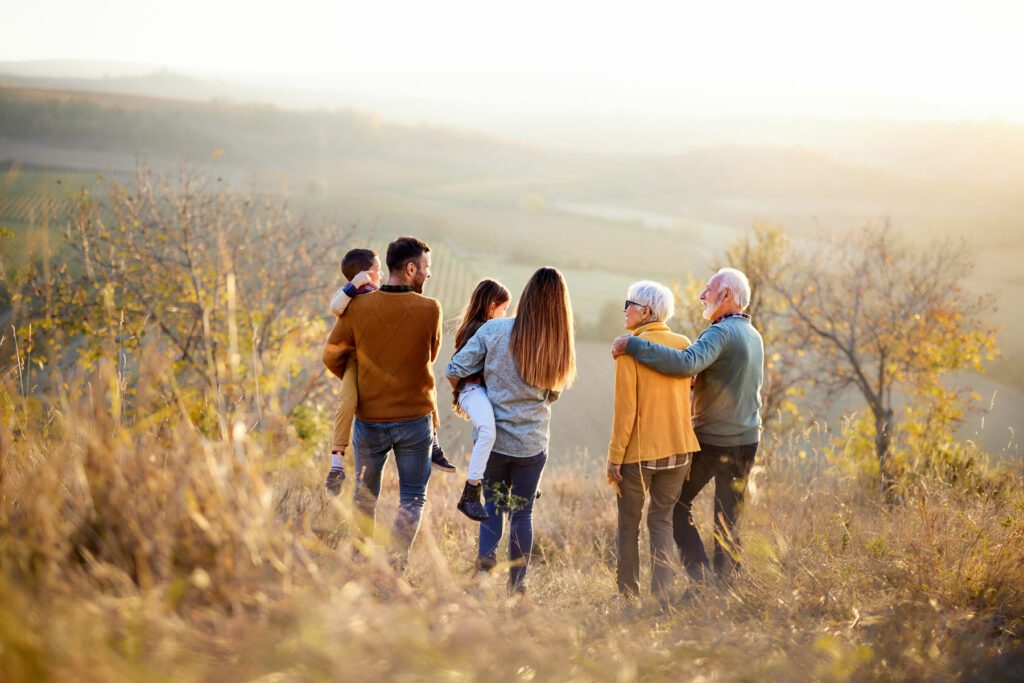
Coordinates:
(144, 550)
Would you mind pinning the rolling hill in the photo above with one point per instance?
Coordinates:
(504, 208)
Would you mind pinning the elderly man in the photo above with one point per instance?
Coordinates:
(728, 362)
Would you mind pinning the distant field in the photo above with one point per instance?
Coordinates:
(999, 273)
(590, 290)
(497, 209)
(34, 196)
(600, 258)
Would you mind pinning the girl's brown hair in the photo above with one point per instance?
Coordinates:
(542, 335)
(487, 293)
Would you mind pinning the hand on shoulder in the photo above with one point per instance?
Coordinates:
(361, 279)
(619, 345)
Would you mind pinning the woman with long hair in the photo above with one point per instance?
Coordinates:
(488, 301)
(526, 362)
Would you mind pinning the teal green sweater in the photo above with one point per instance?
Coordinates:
(728, 361)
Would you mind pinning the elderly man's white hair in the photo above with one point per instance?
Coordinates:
(737, 283)
(655, 296)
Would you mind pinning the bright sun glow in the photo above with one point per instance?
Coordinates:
(934, 59)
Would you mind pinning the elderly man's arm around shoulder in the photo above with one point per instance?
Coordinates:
(668, 361)
(340, 344)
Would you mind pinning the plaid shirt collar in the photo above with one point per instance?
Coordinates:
(730, 315)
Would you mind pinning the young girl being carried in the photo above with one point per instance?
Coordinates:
(490, 299)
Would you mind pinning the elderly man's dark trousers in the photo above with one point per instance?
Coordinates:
(729, 466)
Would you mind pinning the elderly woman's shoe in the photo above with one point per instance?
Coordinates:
(471, 503)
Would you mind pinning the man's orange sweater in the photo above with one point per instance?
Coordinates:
(395, 337)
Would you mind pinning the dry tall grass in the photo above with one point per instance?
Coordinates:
(141, 549)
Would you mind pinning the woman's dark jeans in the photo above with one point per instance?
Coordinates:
(510, 487)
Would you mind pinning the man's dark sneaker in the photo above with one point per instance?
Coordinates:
(438, 461)
(471, 504)
(334, 479)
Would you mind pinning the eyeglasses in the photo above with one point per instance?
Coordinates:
(633, 303)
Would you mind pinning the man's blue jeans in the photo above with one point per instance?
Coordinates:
(411, 441)
(510, 486)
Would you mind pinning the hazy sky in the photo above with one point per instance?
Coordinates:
(930, 57)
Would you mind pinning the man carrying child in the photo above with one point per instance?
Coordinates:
(395, 335)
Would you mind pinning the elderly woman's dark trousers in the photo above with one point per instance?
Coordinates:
(639, 485)
(729, 466)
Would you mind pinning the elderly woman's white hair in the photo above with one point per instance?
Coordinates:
(737, 283)
(656, 296)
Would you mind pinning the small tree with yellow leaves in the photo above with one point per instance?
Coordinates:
(891, 321)
(230, 287)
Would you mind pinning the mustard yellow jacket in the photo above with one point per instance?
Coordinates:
(652, 411)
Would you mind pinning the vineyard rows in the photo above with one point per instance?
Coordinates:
(27, 208)
(452, 278)
(34, 197)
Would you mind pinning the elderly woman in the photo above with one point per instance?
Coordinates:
(652, 440)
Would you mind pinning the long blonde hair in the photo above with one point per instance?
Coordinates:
(542, 342)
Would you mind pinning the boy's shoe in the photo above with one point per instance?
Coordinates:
(471, 503)
(334, 479)
(438, 461)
